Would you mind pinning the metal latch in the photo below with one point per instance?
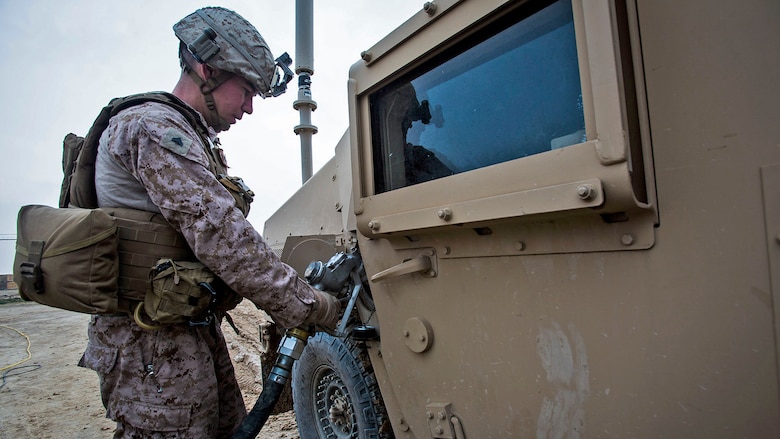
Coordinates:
(425, 264)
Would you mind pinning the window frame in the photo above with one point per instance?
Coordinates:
(609, 161)
(417, 101)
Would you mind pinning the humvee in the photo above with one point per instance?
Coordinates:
(567, 221)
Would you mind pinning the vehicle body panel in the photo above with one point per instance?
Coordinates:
(516, 307)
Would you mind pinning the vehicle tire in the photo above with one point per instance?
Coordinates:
(335, 392)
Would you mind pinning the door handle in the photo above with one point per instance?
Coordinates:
(421, 264)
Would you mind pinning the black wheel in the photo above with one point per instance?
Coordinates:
(335, 393)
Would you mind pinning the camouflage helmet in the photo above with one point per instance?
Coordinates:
(224, 40)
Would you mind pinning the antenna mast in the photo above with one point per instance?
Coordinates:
(304, 68)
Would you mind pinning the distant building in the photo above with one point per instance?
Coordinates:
(7, 282)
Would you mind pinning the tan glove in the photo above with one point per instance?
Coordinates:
(324, 311)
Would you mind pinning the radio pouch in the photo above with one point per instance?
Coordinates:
(67, 258)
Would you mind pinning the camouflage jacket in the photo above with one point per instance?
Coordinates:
(150, 158)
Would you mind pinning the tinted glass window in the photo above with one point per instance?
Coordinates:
(514, 94)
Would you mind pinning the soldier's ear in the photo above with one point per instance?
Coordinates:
(204, 71)
(210, 72)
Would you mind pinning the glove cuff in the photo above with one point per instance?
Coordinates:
(324, 311)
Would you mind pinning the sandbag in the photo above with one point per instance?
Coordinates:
(67, 258)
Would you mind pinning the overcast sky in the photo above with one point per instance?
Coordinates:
(64, 60)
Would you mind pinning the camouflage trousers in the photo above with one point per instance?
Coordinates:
(176, 382)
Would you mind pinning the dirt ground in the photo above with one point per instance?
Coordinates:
(48, 396)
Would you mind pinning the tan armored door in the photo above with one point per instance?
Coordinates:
(770, 182)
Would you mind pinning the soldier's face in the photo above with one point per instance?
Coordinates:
(234, 98)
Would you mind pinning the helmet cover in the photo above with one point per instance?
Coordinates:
(242, 50)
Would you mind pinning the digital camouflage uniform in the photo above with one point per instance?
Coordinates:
(178, 382)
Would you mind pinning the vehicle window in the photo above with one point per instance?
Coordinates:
(515, 93)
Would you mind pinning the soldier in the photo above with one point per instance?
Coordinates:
(177, 380)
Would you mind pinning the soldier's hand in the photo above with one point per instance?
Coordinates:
(325, 311)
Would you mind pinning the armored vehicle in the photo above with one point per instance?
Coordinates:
(560, 219)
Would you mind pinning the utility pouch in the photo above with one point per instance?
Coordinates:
(181, 291)
(239, 190)
(67, 258)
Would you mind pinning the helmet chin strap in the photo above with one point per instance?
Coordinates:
(206, 87)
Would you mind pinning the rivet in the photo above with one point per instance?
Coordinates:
(429, 8)
(445, 213)
(627, 239)
(441, 415)
(402, 424)
(439, 430)
(429, 415)
(519, 246)
(406, 333)
(365, 55)
(447, 250)
(586, 192)
(373, 225)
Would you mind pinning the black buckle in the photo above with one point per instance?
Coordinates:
(32, 278)
(208, 316)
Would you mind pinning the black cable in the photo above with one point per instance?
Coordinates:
(7, 373)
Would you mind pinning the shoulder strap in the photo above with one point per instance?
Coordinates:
(81, 191)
